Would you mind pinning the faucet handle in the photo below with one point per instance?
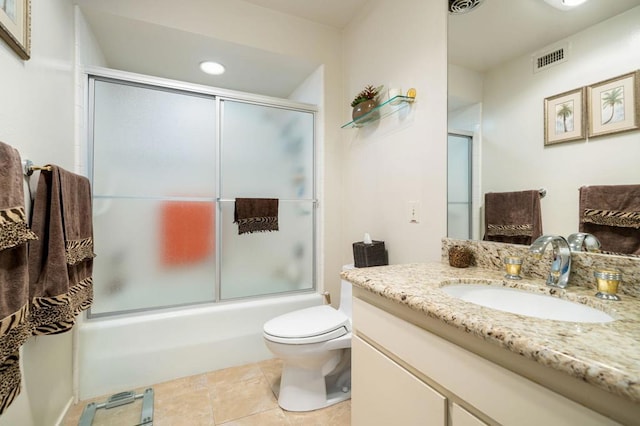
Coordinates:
(607, 281)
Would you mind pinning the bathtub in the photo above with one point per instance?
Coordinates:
(119, 354)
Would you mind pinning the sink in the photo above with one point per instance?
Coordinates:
(523, 302)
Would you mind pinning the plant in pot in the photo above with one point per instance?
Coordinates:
(365, 101)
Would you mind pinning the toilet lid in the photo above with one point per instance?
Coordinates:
(316, 324)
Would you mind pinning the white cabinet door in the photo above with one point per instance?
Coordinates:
(461, 417)
(384, 393)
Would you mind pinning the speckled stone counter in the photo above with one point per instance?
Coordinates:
(606, 355)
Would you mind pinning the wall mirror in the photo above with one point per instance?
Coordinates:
(496, 98)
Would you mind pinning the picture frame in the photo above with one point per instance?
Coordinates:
(564, 117)
(614, 105)
(15, 26)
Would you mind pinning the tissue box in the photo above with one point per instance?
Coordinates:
(373, 254)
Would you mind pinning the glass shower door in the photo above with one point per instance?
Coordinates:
(267, 152)
(459, 202)
(154, 183)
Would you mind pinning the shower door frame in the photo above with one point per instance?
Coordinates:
(91, 74)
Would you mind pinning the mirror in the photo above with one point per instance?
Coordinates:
(496, 97)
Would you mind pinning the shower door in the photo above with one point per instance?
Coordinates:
(459, 184)
(166, 167)
(154, 174)
(267, 152)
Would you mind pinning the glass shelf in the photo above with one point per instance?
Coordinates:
(386, 108)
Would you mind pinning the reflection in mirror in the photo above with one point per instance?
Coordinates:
(497, 96)
(459, 202)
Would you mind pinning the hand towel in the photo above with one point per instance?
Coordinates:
(512, 217)
(187, 233)
(61, 261)
(14, 284)
(256, 215)
(612, 214)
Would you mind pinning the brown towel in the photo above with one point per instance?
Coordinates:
(14, 282)
(612, 214)
(512, 217)
(61, 261)
(256, 215)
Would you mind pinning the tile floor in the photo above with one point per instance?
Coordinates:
(237, 396)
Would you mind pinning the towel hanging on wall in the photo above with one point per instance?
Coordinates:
(15, 328)
(256, 215)
(512, 217)
(61, 261)
(612, 214)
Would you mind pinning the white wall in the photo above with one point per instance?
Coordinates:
(514, 156)
(402, 157)
(37, 118)
(464, 87)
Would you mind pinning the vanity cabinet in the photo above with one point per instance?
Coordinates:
(405, 374)
(388, 394)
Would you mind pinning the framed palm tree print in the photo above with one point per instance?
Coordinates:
(15, 25)
(614, 105)
(564, 117)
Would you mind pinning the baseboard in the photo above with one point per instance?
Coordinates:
(64, 412)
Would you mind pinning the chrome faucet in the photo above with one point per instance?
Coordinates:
(561, 265)
(582, 241)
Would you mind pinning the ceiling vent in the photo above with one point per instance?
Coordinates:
(463, 6)
(549, 57)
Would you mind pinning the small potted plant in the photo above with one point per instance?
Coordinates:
(365, 101)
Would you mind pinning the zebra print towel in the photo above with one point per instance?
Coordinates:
(256, 215)
(512, 217)
(61, 261)
(14, 282)
(612, 214)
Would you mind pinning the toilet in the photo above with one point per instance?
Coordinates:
(315, 347)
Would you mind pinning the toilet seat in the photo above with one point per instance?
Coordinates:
(305, 326)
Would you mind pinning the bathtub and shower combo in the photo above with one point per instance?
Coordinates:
(176, 290)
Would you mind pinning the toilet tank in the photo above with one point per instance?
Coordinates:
(345, 293)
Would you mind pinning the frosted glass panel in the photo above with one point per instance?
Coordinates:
(266, 152)
(458, 221)
(459, 168)
(157, 172)
(458, 186)
(268, 262)
(151, 142)
(152, 253)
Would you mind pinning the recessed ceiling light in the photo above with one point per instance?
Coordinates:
(565, 4)
(213, 68)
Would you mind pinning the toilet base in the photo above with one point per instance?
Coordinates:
(306, 390)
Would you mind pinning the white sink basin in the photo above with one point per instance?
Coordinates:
(526, 303)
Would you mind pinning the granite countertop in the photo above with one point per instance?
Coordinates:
(606, 355)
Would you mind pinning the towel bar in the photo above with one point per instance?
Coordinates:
(227, 200)
(29, 167)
